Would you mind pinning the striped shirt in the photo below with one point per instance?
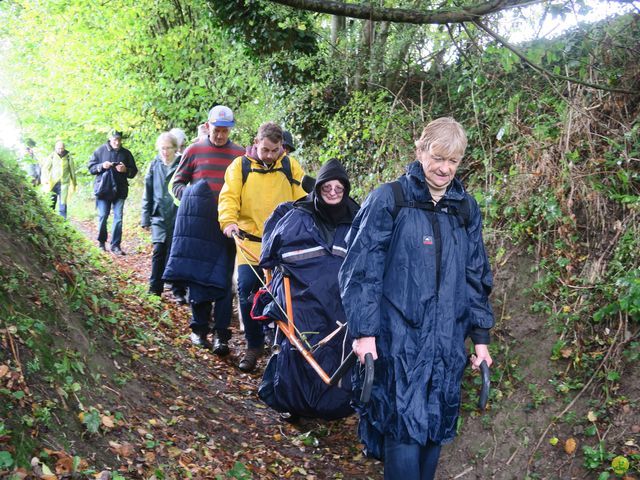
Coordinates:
(203, 160)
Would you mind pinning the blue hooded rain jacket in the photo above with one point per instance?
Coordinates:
(419, 283)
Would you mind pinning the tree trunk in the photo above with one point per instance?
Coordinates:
(363, 54)
(337, 27)
(378, 50)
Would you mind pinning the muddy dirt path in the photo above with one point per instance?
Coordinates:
(209, 410)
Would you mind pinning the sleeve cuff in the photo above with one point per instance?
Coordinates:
(480, 336)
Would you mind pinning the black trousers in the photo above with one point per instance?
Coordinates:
(158, 263)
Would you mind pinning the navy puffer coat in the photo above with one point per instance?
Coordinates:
(297, 246)
(200, 254)
(420, 310)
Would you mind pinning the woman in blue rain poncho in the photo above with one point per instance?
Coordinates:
(415, 284)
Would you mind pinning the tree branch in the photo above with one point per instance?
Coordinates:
(540, 69)
(400, 15)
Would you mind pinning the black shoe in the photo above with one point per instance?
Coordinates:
(102, 246)
(248, 362)
(220, 348)
(117, 250)
(200, 340)
(289, 417)
(179, 299)
(155, 293)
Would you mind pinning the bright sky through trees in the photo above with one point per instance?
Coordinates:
(9, 133)
(524, 25)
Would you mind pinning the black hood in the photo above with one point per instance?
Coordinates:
(333, 170)
(330, 215)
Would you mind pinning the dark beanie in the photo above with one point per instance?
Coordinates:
(333, 170)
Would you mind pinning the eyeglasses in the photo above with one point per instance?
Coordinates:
(327, 189)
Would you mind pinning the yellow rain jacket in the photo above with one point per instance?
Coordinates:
(59, 169)
(249, 205)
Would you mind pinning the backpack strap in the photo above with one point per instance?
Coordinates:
(461, 210)
(246, 168)
(398, 198)
(285, 169)
(464, 212)
(400, 202)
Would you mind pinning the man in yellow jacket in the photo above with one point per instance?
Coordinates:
(59, 177)
(254, 185)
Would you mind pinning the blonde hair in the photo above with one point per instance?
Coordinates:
(445, 133)
(166, 136)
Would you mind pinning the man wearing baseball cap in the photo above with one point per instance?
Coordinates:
(207, 160)
(113, 164)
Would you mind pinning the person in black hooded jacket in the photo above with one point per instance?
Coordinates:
(308, 245)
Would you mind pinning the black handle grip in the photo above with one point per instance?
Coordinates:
(486, 385)
(368, 378)
(369, 371)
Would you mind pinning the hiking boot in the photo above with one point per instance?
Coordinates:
(220, 348)
(102, 246)
(248, 362)
(200, 340)
(155, 293)
(117, 250)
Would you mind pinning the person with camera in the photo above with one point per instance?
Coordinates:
(113, 165)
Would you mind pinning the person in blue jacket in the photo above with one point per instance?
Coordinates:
(308, 245)
(415, 284)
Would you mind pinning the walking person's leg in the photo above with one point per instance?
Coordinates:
(222, 320)
(158, 260)
(247, 285)
(401, 460)
(200, 316)
(103, 207)
(55, 196)
(429, 456)
(410, 461)
(116, 231)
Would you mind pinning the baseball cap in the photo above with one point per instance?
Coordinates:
(221, 116)
(115, 134)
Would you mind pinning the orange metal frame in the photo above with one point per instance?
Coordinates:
(288, 327)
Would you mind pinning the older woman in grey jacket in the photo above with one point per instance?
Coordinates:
(159, 212)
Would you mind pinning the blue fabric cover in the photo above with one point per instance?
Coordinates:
(200, 254)
(289, 383)
(389, 291)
